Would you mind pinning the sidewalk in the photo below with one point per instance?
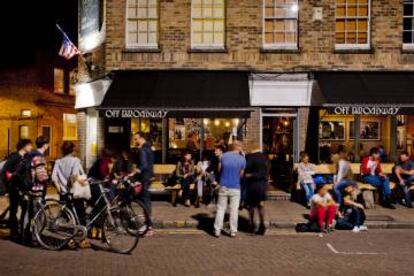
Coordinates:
(279, 214)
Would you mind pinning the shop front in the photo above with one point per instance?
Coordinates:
(179, 111)
(365, 110)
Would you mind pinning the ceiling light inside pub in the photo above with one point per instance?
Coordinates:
(216, 122)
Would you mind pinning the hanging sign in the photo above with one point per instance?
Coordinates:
(134, 113)
(364, 110)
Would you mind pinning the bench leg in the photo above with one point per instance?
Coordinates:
(174, 194)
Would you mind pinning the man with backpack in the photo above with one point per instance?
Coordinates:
(12, 176)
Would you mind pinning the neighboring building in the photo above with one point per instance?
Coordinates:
(261, 71)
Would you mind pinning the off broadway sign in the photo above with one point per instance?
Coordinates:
(365, 110)
(135, 113)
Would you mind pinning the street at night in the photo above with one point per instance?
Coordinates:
(172, 252)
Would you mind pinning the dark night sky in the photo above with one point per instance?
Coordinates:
(28, 27)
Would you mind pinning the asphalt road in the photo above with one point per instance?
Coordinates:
(380, 252)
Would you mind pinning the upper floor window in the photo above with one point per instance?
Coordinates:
(280, 24)
(142, 24)
(408, 24)
(58, 80)
(352, 24)
(207, 24)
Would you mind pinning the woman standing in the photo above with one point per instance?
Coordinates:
(66, 171)
(306, 171)
(256, 176)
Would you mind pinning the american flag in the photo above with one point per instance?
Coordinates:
(68, 50)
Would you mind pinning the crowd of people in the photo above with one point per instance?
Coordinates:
(231, 178)
(341, 201)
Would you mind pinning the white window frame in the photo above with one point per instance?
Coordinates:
(208, 46)
(355, 46)
(280, 46)
(150, 46)
(408, 46)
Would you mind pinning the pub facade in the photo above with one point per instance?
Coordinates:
(284, 75)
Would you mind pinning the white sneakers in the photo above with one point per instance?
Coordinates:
(360, 228)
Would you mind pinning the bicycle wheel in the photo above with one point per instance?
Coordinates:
(135, 217)
(54, 225)
(115, 234)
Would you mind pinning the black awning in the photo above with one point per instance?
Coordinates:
(367, 88)
(180, 93)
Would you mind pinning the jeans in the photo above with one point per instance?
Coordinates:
(339, 188)
(226, 195)
(309, 191)
(145, 197)
(185, 184)
(14, 198)
(356, 216)
(408, 181)
(323, 215)
(380, 182)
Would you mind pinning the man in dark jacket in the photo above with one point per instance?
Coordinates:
(14, 176)
(145, 164)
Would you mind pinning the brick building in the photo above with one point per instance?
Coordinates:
(295, 54)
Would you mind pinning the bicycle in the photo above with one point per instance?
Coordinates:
(57, 223)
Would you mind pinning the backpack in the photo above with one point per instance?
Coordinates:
(39, 173)
(308, 227)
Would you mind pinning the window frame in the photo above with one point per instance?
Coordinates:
(208, 47)
(408, 46)
(62, 80)
(354, 46)
(138, 46)
(279, 46)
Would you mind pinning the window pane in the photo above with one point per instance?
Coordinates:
(408, 9)
(290, 26)
(219, 12)
(208, 26)
(196, 38)
(268, 26)
(152, 26)
(340, 11)
(290, 37)
(269, 11)
(407, 37)
(142, 3)
(279, 25)
(197, 26)
(208, 38)
(350, 2)
(196, 12)
(152, 12)
(340, 38)
(351, 11)
(132, 26)
(132, 12)
(219, 26)
(362, 38)
(362, 25)
(142, 26)
(132, 38)
(207, 12)
(279, 12)
(218, 38)
(268, 38)
(142, 12)
(279, 37)
(340, 25)
(142, 38)
(351, 26)
(351, 38)
(408, 23)
(152, 38)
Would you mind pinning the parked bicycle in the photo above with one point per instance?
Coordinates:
(57, 222)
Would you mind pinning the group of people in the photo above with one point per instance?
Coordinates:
(344, 204)
(25, 171)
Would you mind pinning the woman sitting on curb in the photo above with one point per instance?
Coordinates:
(323, 209)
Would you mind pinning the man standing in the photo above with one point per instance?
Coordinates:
(232, 165)
(14, 182)
(372, 174)
(404, 171)
(145, 163)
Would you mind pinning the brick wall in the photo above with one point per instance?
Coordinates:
(244, 36)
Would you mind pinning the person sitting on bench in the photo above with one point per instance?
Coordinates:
(372, 174)
(404, 172)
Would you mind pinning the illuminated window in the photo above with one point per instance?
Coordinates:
(70, 130)
(59, 81)
(142, 23)
(408, 23)
(352, 23)
(24, 132)
(280, 24)
(207, 23)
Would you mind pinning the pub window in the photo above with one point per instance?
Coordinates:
(70, 130)
(24, 132)
(59, 81)
(408, 23)
(207, 23)
(142, 24)
(352, 24)
(280, 24)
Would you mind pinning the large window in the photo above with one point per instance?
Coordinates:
(207, 23)
(408, 24)
(352, 23)
(70, 130)
(280, 24)
(142, 24)
(58, 80)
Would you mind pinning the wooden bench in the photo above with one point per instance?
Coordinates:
(329, 169)
(162, 172)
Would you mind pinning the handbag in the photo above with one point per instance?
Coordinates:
(79, 190)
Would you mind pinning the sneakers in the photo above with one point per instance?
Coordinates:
(217, 234)
(356, 229)
(363, 228)
(232, 235)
